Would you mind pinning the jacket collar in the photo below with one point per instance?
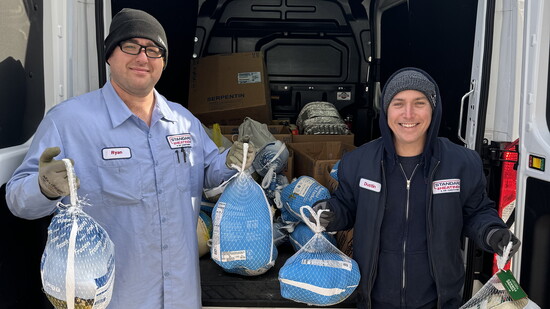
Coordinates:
(119, 112)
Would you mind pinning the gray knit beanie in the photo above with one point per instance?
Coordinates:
(408, 80)
(132, 23)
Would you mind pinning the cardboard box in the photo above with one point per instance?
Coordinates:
(313, 159)
(280, 132)
(302, 138)
(331, 183)
(289, 169)
(226, 88)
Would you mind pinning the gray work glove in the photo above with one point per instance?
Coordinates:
(326, 216)
(235, 154)
(52, 175)
(499, 238)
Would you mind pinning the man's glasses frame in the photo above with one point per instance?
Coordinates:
(133, 48)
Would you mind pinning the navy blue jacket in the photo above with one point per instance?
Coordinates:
(457, 204)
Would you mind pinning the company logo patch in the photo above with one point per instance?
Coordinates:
(370, 185)
(116, 153)
(446, 186)
(178, 141)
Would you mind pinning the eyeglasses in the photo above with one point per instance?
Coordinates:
(134, 49)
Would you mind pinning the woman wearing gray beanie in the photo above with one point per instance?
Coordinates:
(410, 197)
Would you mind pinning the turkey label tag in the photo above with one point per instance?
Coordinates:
(511, 284)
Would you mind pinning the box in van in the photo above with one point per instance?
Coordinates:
(312, 159)
(226, 88)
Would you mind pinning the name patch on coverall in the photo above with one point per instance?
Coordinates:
(116, 153)
(446, 186)
(370, 185)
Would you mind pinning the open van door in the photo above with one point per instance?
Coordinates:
(22, 108)
(531, 266)
(49, 53)
(488, 120)
(506, 113)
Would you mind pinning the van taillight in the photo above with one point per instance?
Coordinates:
(508, 188)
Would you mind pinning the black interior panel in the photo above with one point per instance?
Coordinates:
(313, 48)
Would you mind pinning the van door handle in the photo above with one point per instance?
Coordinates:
(472, 89)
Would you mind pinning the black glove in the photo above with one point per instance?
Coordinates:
(326, 216)
(499, 238)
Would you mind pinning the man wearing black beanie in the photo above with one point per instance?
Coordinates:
(130, 23)
(411, 196)
(142, 161)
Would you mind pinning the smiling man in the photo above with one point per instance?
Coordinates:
(143, 162)
(410, 197)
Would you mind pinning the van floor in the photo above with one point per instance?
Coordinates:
(222, 289)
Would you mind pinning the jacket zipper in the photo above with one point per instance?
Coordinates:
(403, 283)
(374, 267)
(430, 180)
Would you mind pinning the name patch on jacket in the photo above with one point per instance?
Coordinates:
(370, 185)
(178, 141)
(446, 186)
(116, 153)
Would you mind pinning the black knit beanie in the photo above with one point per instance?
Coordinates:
(131, 23)
(408, 80)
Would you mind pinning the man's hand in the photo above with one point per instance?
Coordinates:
(52, 174)
(326, 216)
(498, 239)
(235, 154)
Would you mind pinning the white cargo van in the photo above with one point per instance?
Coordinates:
(490, 59)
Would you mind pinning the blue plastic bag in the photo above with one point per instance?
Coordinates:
(302, 191)
(318, 274)
(242, 239)
(302, 234)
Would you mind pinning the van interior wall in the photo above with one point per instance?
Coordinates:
(438, 37)
(179, 20)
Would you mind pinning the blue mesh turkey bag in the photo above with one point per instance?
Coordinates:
(334, 170)
(318, 274)
(304, 190)
(242, 238)
(302, 234)
(331, 179)
(78, 266)
(281, 231)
